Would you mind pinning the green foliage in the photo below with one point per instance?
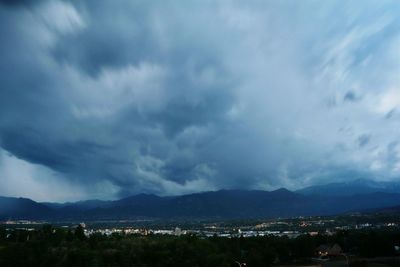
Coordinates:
(79, 233)
(2, 234)
(59, 247)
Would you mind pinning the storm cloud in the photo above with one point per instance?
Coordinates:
(111, 98)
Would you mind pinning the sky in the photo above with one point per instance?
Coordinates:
(105, 99)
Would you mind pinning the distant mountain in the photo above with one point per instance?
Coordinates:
(22, 208)
(382, 210)
(359, 186)
(79, 205)
(219, 204)
(223, 204)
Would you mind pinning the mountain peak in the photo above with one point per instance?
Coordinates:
(282, 189)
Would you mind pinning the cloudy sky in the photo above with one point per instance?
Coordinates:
(103, 99)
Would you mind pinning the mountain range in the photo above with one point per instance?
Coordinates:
(328, 199)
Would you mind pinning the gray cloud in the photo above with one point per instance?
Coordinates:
(128, 97)
(16, 3)
(363, 140)
(351, 97)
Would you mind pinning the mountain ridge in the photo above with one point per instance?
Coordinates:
(222, 204)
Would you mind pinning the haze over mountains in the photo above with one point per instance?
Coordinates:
(327, 199)
(358, 186)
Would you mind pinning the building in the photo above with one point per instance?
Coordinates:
(329, 250)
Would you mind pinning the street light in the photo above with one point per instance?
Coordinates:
(241, 263)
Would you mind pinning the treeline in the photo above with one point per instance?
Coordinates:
(60, 247)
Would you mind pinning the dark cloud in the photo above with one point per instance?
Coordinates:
(133, 96)
(391, 114)
(18, 2)
(363, 140)
(351, 97)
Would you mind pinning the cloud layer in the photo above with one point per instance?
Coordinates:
(116, 98)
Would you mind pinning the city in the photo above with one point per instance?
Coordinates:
(311, 241)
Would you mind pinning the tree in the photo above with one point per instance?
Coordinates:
(80, 233)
